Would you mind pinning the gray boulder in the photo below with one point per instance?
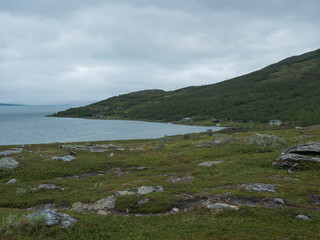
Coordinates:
(148, 189)
(8, 163)
(53, 218)
(66, 158)
(307, 148)
(296, 156)
(11, 151)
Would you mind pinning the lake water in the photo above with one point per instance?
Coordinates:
(28, 125)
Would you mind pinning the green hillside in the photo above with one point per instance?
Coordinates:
(287, 90)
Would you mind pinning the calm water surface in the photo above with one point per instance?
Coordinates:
(28, 125)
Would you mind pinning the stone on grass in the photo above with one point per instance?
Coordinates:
(8, 163)
(11, 151)
(302, 217)
(101, 212)
(53, 218)
(142, 168)
(258, 187)
(111, 154)
(221, 206)
(175, 210)
(12, 181)
(143, 201)
(49, 186)
(209, 164)
(104, 204)
(148, 189)
(123, 193)
(66, 158)
(279, 201)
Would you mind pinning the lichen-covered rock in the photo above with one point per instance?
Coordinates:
(307, 148)
(209, 164)
(220, 206)
(148, 189)
(258, 187)
(123, 193)
(8, 163)
(11, 151)
(53, 218)
(297, 156)
(104, 204)
(66, 158)
(48, 186)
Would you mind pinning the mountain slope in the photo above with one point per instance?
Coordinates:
(287, 90)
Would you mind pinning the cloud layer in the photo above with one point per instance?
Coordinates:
(55, 52)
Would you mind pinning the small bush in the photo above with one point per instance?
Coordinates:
(15, 223)
(21, 191)
(266, 143)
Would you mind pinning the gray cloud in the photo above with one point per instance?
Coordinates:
(52, 52)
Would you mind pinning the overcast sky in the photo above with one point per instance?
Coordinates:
(80, 51)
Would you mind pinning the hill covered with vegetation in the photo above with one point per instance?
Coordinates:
(287, 90)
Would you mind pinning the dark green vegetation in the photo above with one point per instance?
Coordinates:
(242, 163)
(287, 90)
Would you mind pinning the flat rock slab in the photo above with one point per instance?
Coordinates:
(66, 158)
(53, 218)
(297, 156)
(94, 148)
(48, 186)
(221, 206)
(307, 148)
(209, 164)
(292, 160)
(8, 163)
(258, 187)
(148, 189)
(184, 179)
(11, 151)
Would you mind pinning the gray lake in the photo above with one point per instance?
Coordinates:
(28, 125)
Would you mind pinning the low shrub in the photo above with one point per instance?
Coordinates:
(266, 143)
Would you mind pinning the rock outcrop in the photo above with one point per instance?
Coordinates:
(298, 156)
(209, 164)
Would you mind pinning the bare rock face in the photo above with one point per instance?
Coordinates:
(53, 218)
(297, 156)
(8, 163)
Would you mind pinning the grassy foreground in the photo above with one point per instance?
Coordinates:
(167, 160)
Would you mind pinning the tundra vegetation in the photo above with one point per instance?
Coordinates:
(158, 189)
